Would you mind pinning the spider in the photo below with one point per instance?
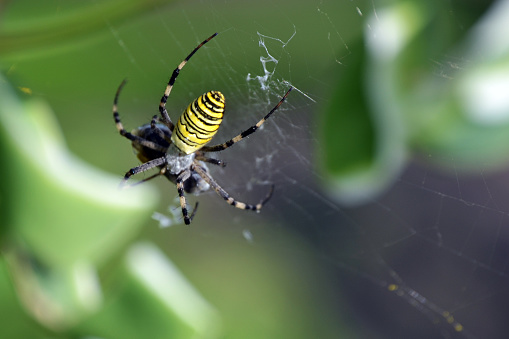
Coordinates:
(179, 150)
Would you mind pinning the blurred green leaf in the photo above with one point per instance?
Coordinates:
(152, 300)
(407, 93)
(54, 203)
(348, 134)
(15, 322)
(58, 213)
(463, 114)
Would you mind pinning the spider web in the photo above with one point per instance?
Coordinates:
(428, 258)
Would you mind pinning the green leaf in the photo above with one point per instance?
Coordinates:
(61, 218)
(59, 207)
(404, 94)
(152, 300)
(465, 116)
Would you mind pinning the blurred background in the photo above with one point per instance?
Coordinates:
(389, 159)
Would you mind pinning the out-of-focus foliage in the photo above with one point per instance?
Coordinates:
(419, 85)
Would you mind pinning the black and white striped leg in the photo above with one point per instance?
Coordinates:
(161, 172)
(123, 132)
(220, 191)
(144, 167)
(180, 189)
(162, 105)
(250, 130)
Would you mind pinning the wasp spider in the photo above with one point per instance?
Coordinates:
(179, 151)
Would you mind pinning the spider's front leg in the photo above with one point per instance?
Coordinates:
(162, 104)
(143, 168)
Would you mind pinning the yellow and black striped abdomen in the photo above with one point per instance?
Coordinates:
(199, 122)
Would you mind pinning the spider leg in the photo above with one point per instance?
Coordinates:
(161, 172)
(144, 167)
(220, 191)
(213, 161)
(161, 134)
(250, 130)
(124, 133)
(194, 212)
(162, 105)
(180, 189)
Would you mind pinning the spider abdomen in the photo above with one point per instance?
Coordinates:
(199, 122)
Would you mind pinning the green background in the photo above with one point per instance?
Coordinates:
(67, 229)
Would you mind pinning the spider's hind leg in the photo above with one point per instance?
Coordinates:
(231, 201)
